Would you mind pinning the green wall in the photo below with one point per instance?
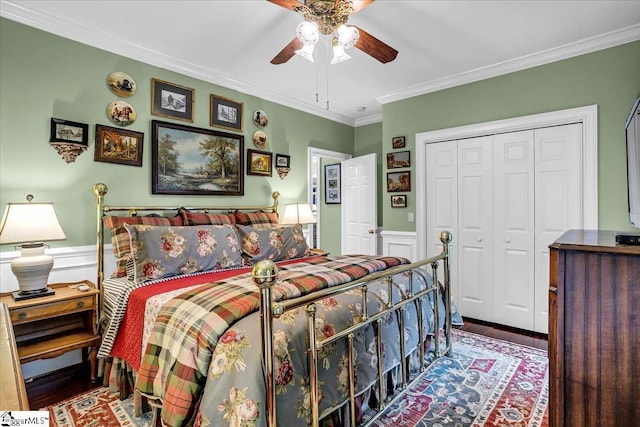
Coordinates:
(609, 78)
(44, 76)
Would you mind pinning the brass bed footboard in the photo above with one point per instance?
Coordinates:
(265, 275)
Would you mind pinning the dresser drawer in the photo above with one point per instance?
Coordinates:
(25, 314)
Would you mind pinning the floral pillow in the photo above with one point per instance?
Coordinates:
(275, 244)
(158, 252)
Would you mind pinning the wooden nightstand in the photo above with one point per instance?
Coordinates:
(50, 326)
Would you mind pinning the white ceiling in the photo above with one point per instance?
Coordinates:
(440, 43)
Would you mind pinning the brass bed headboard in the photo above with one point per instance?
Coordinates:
(100, 190)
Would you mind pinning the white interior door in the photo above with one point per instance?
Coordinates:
(359, 205)
(475, 227)
(559, 201)
(513, 250)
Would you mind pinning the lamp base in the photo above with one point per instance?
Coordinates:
(22, 295)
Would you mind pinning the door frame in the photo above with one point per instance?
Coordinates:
(319, 152)
(587, 115)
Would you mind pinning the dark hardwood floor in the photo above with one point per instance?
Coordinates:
(63, 384)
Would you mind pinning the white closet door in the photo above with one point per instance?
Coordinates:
(475, 227)
(441, 162)
(513, 224)
(559, 201)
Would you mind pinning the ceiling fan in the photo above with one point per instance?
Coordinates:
(330, 17)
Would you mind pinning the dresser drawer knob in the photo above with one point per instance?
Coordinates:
(22, 315)
(80, 304)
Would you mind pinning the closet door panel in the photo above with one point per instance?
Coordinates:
(514, 229)
(559, 201)
(442, 202)
(475, 227)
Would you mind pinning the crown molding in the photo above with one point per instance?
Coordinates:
(592, 44)
(363, 121)
(95, 38)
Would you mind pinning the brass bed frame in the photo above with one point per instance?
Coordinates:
(265, 274)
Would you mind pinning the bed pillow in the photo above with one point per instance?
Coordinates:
(275, 244)
(159, 252)
(258, 220)
(202, 218)
(120, 237)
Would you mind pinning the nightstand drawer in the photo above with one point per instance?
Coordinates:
(26, 314)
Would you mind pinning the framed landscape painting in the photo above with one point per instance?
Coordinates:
(189, 160)
(116, 145)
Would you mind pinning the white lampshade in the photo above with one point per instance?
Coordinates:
(347, 35)
(339, 54)
(297, 213)
(31, 224)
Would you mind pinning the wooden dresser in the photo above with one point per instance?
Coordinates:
(594, 331)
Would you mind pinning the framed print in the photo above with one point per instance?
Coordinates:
(398, 181)
(258, 163)
(397, 142)
(189, 160)
(226, 113)
(332, 184)
(283, 161)
(399, 159)
(399, 201)
(115, 145)
(171, 100)
(68, 131)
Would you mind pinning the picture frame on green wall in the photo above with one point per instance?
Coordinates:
(332, 178)
(115, 145)
(68, 131)
(171, 100)
(194, 161)
(226, 113)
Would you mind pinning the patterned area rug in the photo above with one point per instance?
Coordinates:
(488, 382)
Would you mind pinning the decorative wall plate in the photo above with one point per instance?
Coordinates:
(122, 84)
(121, 113)
(260, 118)
(260, 139)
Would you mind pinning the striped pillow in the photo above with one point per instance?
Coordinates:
(120, 236)
(201, 218)
(258, 220)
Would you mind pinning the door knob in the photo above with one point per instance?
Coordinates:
(372, 231)
(478, 239)
(507, 240)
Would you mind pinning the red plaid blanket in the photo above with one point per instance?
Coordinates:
(176, 360)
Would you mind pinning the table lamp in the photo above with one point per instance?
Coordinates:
(31, 224)
(297, 213)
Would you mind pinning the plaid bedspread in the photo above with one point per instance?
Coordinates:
(176, 361)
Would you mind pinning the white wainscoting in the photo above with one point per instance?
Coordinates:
(399, 243)
(70, 264)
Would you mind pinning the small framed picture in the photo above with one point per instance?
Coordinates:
(397, 142)
(115, 145)
(68, 131)
(226, 113)
(398, 181)
(399, 201)
(283, 161)
(332, 184)
(400, 159)
(171, 100)
(258, 163)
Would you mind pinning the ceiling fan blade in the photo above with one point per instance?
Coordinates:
(287, 4)
(361, 4)
(287, 53)
(374, 47)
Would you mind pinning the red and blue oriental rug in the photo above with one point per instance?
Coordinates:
(488, 382)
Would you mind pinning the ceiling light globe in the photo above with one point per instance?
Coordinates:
(307, 32)
(347, 35)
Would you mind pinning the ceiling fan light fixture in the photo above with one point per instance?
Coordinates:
(307, 33)
(339, 55)
(347, 35)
